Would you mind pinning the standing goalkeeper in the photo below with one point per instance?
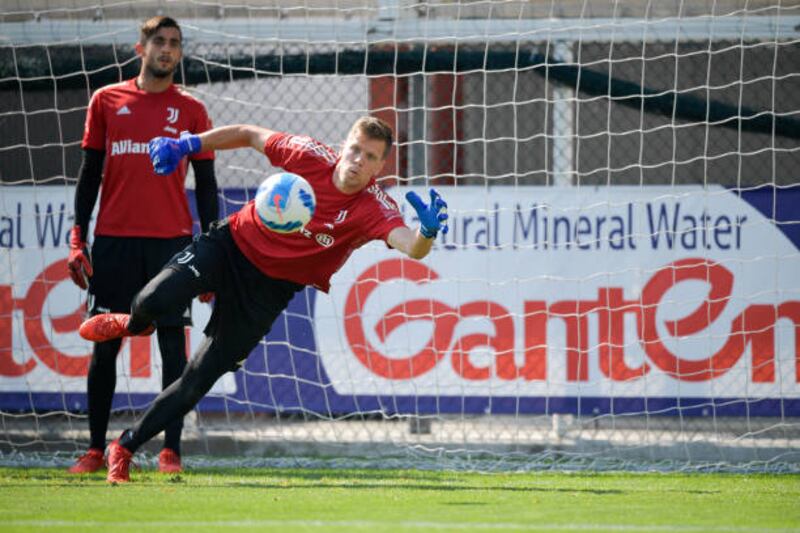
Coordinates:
(255, 272)
(143, 218)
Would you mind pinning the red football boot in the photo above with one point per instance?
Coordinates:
(91, 461)
(169, 462)
(119, 463)
(108, 326)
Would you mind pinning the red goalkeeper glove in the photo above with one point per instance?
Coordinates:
(80, 268)
(205, 297)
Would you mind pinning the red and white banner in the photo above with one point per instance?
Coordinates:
(41, 309)
(542, 292)
(627, 292)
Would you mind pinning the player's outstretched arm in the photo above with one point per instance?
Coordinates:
(235, 136)
(432, 219)
(166, 153)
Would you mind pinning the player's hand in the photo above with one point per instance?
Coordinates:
(433, 216)
(205, 297)
(166, 153)
(80, 268)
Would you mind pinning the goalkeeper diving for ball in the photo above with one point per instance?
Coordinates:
(253, 271)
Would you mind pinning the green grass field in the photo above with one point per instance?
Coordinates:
(397, 500)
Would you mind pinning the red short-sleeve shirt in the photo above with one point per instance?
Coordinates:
(134, 200)
(341, 223)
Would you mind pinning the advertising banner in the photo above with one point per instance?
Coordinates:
(43, 360)
(665, 300)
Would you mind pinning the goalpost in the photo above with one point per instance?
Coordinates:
(619, 288)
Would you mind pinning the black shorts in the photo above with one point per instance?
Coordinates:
(123, 265)
(246, 302)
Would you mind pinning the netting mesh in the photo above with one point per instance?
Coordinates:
(619, 145)
(533, 117)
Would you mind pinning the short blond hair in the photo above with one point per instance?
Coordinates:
(377, 129)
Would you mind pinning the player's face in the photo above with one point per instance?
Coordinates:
(362, 159)
(162, 52)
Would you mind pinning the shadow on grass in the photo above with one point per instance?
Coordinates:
(291, 479)
(317, 474)
(358, 487)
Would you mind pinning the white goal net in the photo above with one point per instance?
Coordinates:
(619, 288)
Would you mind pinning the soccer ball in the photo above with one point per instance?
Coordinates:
(285, 202)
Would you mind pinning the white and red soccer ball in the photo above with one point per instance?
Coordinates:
(285, 202)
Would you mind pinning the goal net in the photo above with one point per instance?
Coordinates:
(619, 288)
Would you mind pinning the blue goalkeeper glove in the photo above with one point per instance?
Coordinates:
(433, 216)
(166, 153)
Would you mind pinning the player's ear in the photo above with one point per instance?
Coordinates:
(139, 47)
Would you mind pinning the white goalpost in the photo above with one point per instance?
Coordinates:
(619, 287)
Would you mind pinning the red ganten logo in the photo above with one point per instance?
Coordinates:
(754, 327)
(35, 321)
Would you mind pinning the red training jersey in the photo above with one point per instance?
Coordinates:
(341, 222)
(134, 200)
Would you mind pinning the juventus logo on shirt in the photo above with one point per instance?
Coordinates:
(172, 117)
(341, 216)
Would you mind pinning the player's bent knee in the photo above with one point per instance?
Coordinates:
(168, 292)
(151, 302)
(145, 304)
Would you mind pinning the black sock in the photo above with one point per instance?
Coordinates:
(176, 400)
(126, 440)
(172, 343)
(100, 384)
